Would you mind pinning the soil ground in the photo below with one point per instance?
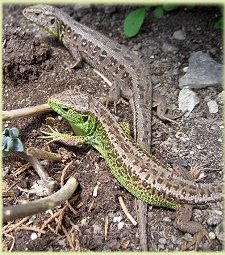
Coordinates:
(35, 66)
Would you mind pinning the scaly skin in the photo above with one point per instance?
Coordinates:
(136, 170)
(140, 173)
(129, 74)
(131, 77)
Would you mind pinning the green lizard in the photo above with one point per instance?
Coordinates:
(136, 170)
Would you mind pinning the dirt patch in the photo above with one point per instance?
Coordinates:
(35, 66)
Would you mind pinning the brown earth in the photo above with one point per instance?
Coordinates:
(35, 65)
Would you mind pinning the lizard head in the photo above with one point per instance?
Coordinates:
(75, 108)
(70, 99)
(45, 16)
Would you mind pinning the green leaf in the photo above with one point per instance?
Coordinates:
(133, 22)
(219, 24)
(8, 145)
(169, 7)
(158, 12)
(221, 9)
(14, 132)
(4, 140)
(18, 146)
(5, 132)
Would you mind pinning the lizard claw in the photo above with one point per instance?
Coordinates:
(51, 134)
(197, 238)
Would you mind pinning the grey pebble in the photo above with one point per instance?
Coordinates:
(219, 232)
(203, 71)
(179, 35)
(169, 48)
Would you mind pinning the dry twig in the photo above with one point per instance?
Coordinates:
(40, 205)
(25, 112)
(125, 210)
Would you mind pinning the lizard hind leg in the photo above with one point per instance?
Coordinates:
(161, 108)
(186, 225)
(184, 214)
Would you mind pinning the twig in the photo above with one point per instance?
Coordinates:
(106, 226)
(13, 241)
(31, 229)
(71, 208)
(25, 112)
(52, 230)
(10, 229)
(64, 172)
(22, 169)
(43, 154)
(103, 77)
(40, 205)
(49, 220)
(60, 218)
(47, 180)
(133, 221)
(142, 212)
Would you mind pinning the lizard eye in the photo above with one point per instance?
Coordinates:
(85, 118)
(37, 13)
(52, 21)
(65, 109)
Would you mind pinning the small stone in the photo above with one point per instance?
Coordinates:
(207, 98)
(179, 35)
(97, 229)
(212, 235)
(169, 48)
(137, 47)
(120, 225)
(185, 69)
(203, 71)
(220, 97)
(59, 118)
(161, 247)
(33, 236)
(218, 212)
(83, 222)
(187, 237)
(213, 106)
(167, 219)
(114, 244)
(162, 240)
(214, 219)
(187, 99)
(219, 232)
(117, 219)
(79, 7)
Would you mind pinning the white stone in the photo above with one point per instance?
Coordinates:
(213, 106)
(120, 225)
(33, 236)
(117, 219)
(187, 99)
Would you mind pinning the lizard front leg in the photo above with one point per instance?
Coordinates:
(66, 139)
(75, 53)
(118, 91)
